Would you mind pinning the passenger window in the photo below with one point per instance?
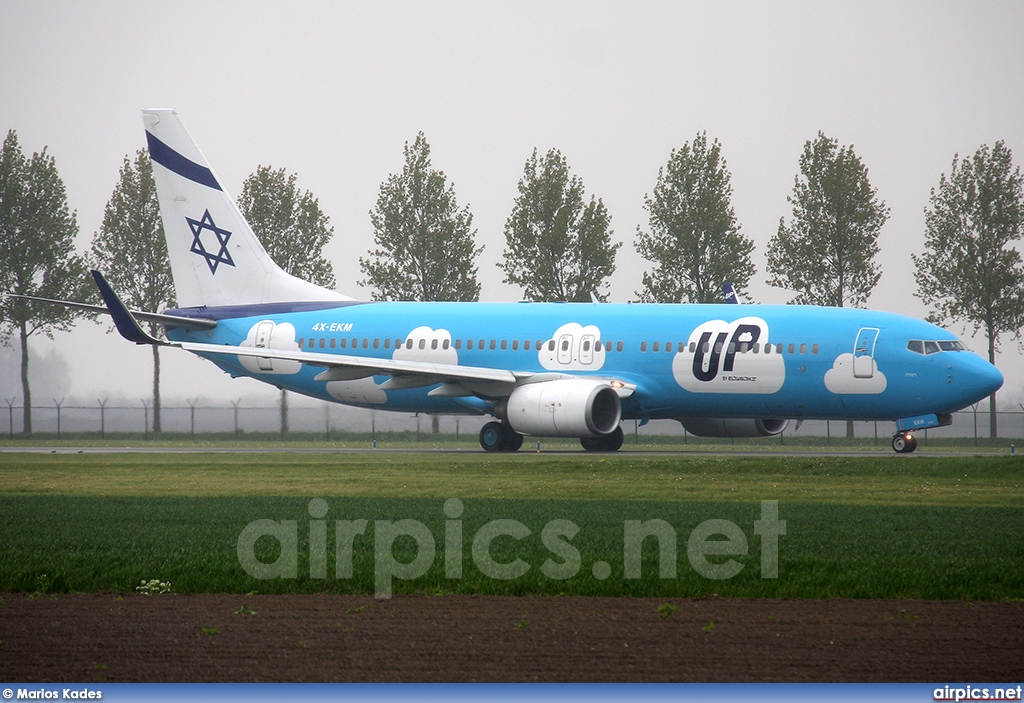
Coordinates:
(643, 346)
(458, 344)
(423, 344)
(504, 344)
(376, 343)
(668, 346)
(446, 343)
(480, 345)
(656, 346)
(433, 344)
(693, 347)
(515, 345)
(803, 348)
(744, 347)
(302, 342)
(778, 348)
(791, 348)
(323, 342)
(718, 347)
(618, 346)
(334, 342)
(814, 349)
(551, 345)
(526, 345)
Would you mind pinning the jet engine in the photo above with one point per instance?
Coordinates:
(733, 426)
(575, 407)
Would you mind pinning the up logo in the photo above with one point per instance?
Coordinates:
(729, 357)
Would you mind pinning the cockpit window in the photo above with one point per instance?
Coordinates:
(928, 347)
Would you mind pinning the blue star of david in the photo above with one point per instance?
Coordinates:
(222, 235)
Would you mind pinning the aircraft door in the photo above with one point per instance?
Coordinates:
(565, 349)
(864, 353)
(263, 332)
(587, 349)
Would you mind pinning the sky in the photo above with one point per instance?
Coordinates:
(333, 90)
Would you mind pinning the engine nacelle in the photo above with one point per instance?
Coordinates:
(573, 407)
(733, 426)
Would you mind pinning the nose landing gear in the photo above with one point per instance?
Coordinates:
(904, 442)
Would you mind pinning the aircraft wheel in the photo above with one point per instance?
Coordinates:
(513, 440)
(904, 443)
(492, 437)
(606, 443)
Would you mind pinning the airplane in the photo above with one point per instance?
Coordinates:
(572, 370)
(730, 294)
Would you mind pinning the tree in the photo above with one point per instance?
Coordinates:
(37, 253)
(970, 272)
(695, 239)
(425, 244)
(290, 225)
(827, 252)
(131, 250)
(558, 248)
(292, 228)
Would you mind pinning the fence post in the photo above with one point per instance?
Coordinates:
(58, 403)
(327, 422)
(192, 418)
(975, 409)
(10, 414)
(235, 403)
(145, 425)
(103, 417)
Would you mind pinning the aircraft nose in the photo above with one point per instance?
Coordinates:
(982, 377)
(991, 379)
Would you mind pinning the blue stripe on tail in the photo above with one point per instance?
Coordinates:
(173, 161)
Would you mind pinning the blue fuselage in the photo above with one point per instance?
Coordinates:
(684, 360)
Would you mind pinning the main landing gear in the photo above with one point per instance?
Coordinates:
(904, 442)
(500, 437)
(605, 443)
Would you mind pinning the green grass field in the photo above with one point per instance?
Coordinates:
(916, 527)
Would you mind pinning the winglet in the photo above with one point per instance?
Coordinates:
(126, 324)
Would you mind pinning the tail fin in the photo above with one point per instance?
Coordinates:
(216, 258)
(729, 291)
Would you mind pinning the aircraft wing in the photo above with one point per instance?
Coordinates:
(454, 379)
(450, 379)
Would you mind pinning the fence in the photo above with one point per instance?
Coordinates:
(326, 419)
